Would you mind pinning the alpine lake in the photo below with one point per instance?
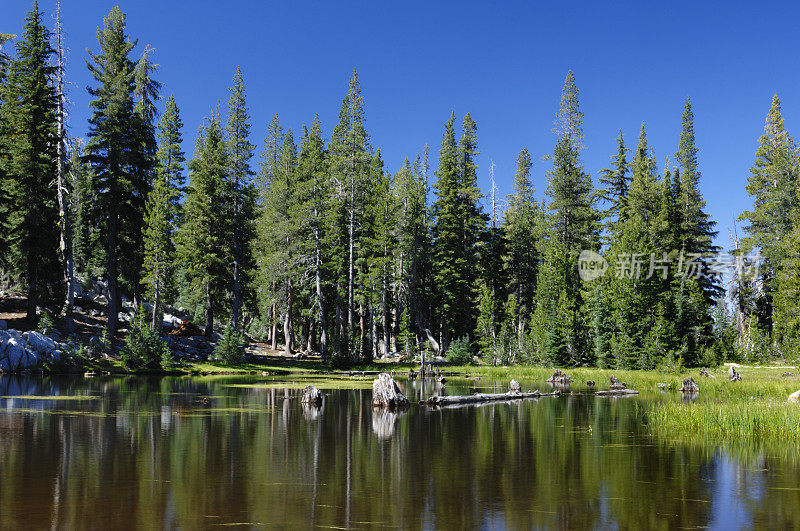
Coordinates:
(117, 452)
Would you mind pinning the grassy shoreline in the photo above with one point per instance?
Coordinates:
(752, 411)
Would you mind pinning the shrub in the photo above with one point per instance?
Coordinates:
(45, 324)
(143, 347)
(229, 348)
(71, 360)
(670, 364)
(459, 351)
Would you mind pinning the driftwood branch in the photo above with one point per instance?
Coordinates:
(617, 392)
(436, 400)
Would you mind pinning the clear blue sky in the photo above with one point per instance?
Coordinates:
(504, 64)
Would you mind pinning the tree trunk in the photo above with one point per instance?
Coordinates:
(209, 313)
(287, 322)
(350, 272)
(274, 327)
(65, 244)
(111, 265)
(323, 327)
(157, 315)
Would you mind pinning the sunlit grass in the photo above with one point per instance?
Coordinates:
(50, 397)
(743, 422)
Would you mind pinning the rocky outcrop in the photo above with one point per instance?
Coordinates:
(195, 348)
(25, 351)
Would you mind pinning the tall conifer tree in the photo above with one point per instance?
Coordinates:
(162, 212)
(29, 111)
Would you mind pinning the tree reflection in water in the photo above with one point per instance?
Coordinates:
(194, 452)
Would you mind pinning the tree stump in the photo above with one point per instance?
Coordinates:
(616, 384)
(794, 397)
(733, 376)
(514, 386)
(559, 378)
(386, 393)
(311, 395)
(689, 386)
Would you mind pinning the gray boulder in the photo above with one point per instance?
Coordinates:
(39, 343)
(15, 355)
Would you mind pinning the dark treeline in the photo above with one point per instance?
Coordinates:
(315, 245)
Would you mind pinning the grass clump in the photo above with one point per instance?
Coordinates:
(742, 421)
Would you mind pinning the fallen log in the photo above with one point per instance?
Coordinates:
(436, 400)
(704, 372)
(617, 392)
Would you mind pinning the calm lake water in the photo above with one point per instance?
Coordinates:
(111, 453)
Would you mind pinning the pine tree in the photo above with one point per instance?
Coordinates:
(265, 284)
(162, 213)
(523, 221)
(87, 245)
(772, 183)
(30, 114)
(695, 296)
(614, 190)
(6, 205)
(412, 234)
(571, 228)
(241, 221)
(279, 238)
(349, 169)
(697, 228)
(114, 151)
(456, 230)
(202, 241)
(315, 192)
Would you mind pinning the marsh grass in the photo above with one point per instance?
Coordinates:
(751, 412)
(742, 422)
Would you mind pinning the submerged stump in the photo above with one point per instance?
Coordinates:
(559, 378)
(386, 393)
(311, 395)
(513, 385)
(733, 376)
(616, 385)
(689, 386)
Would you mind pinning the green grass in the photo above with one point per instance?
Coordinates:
(750, 412)
(742, 422)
